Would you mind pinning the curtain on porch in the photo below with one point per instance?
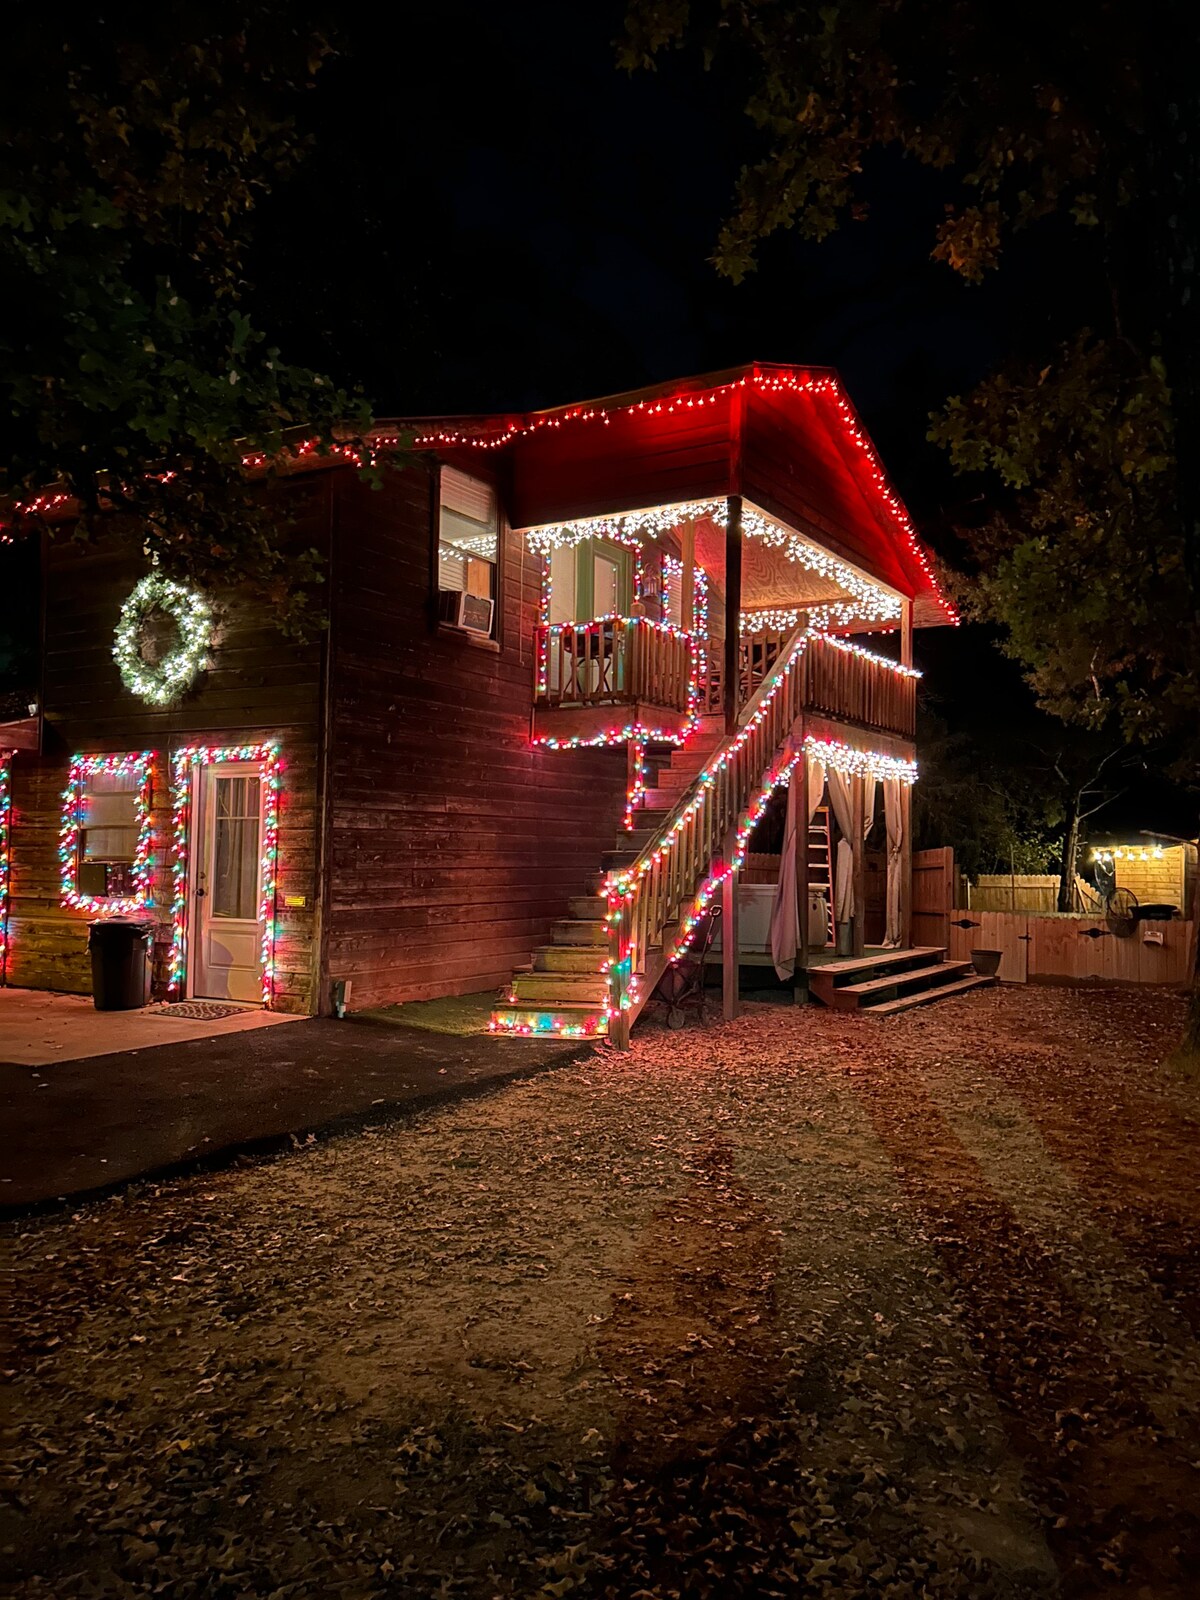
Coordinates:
(894, 819)
(843, 884)
(787, 916)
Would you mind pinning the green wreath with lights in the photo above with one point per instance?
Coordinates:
(164, 680)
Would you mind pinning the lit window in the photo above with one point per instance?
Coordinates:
(105, 843)
(468, 552)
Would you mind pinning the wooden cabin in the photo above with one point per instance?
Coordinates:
(566, 658)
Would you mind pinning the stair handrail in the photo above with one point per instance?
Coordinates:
(647, 899)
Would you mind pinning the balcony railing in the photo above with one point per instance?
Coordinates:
(616, 661)
(836, 679)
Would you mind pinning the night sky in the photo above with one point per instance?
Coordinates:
(495, 217)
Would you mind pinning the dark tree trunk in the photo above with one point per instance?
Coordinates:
(1070, 855)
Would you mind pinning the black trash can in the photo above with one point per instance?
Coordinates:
(122, 963)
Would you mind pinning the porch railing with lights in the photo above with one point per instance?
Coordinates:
(837, 679)
(615, 661)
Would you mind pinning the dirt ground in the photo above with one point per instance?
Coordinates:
(806, 1304)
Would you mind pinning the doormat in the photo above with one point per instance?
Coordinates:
(201, 1010)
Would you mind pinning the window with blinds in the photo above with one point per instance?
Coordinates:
(468, 546)
(108, 839)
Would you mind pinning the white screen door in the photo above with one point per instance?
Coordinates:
(226, 891)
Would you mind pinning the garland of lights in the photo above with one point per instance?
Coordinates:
(164, 682)
(74, 819)
(797, 381)
(271, 770)
(5, 855)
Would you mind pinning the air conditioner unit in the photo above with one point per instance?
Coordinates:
(471, 612)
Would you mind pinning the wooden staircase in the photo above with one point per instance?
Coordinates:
(565, 990)
(888, 981)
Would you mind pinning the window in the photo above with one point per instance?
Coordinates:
(105, 842)
(468, 552)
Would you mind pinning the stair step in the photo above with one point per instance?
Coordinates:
(565, 1020)
(935, 973)
(568, 958)
(877, 963)
(903, 980)
(576, 932)
(586, 908)
(906, 1002)
(581, 988)
(612, 859)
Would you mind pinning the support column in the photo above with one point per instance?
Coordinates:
(906, 860)
(906, 633)
(731, 687)
(729, 937)
(687, 579)
(859, 871)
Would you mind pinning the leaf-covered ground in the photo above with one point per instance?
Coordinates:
(804, 1305)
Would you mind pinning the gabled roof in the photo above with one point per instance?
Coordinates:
(787, 437)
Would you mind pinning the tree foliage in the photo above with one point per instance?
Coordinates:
(135, 376)
(1077, 115)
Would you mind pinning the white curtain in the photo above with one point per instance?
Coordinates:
(894, 819)
(787, 915)
(843, 878)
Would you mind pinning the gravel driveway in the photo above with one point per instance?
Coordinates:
(807, 1304)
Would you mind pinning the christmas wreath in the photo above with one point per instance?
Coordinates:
(161, 680)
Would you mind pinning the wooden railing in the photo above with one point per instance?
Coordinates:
(845, 684)
(837, 680)
(649, 902)
(614, 661)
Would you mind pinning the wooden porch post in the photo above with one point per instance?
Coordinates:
(729, 936)
(859, 873)
(687, 579)
(731, 688)
(906, 633)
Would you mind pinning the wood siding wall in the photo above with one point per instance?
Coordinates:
(259, 687)
(453, 843)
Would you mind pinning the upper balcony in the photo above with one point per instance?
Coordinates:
(620, 677)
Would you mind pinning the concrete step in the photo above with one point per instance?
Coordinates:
(924, 997)
(579, 932)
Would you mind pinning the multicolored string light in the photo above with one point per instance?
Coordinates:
(620, 733)
(267, 757)
(5, 855)
(139, 769)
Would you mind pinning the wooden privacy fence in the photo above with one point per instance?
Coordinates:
(1024, 891)
(614, 661)
(1072, 948)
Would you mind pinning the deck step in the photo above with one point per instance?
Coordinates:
(835, 973)
(938, 971)
(578, 932)
(905, 1002)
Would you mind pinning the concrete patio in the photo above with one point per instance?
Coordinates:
(38, 1027)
